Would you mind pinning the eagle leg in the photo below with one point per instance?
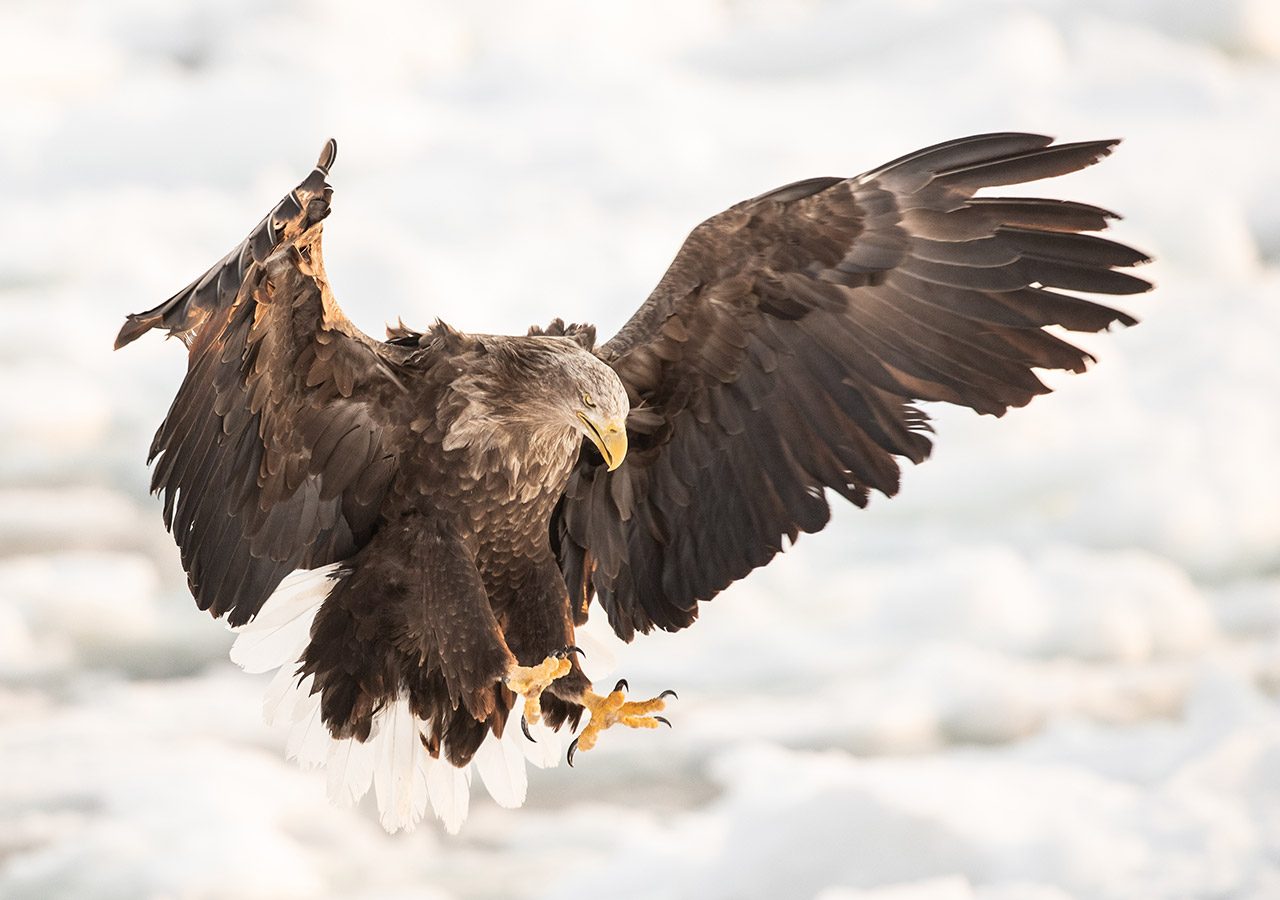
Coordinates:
(614, 709)
(530, 681)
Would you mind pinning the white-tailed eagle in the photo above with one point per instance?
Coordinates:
(410, 529)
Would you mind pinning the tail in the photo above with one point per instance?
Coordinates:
(183, 313)
(393, 760)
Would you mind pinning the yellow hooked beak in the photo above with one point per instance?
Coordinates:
(610, 439)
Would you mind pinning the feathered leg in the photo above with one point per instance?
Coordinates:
(532, 606)
(411, 614)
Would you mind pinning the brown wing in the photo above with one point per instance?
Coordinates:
(783, 351)
(276, 453)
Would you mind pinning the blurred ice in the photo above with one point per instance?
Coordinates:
(1048, 670)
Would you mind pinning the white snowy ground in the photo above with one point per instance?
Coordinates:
(1048, 670)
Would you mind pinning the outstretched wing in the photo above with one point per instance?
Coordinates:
(783, 351)
(277, 452)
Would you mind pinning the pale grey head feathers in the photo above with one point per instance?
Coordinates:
(539, 382)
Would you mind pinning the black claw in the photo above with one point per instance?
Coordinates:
(565, 651)
(663, 721)
(621, 686)
(524, 726)
(573, 748)
(664, 695)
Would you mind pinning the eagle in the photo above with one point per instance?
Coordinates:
(409, 530)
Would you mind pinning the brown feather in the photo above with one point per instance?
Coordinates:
(781, 352)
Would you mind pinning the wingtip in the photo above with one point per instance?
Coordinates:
(130, 331)
(1099, 149)
(1104, 147)
(327, 156)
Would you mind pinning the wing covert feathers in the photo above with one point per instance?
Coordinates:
(784, 351)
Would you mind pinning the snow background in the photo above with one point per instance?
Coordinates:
(1048, 670)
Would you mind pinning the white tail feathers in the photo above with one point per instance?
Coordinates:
(394, 761)
(281, 629)
(350, 768)
(450, 790)
(400, 766)
(501, 768)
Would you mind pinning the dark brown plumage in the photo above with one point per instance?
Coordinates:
(454, 476)
(784, 349)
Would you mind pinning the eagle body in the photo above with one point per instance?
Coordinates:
(461, 568)
(411, 529)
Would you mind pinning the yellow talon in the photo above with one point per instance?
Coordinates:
(530, 681)
(613, 709)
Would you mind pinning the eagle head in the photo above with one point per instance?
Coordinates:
(599, 405)
(538, 382)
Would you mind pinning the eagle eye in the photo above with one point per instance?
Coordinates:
(587, 401)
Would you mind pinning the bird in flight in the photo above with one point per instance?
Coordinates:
(410, 530)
